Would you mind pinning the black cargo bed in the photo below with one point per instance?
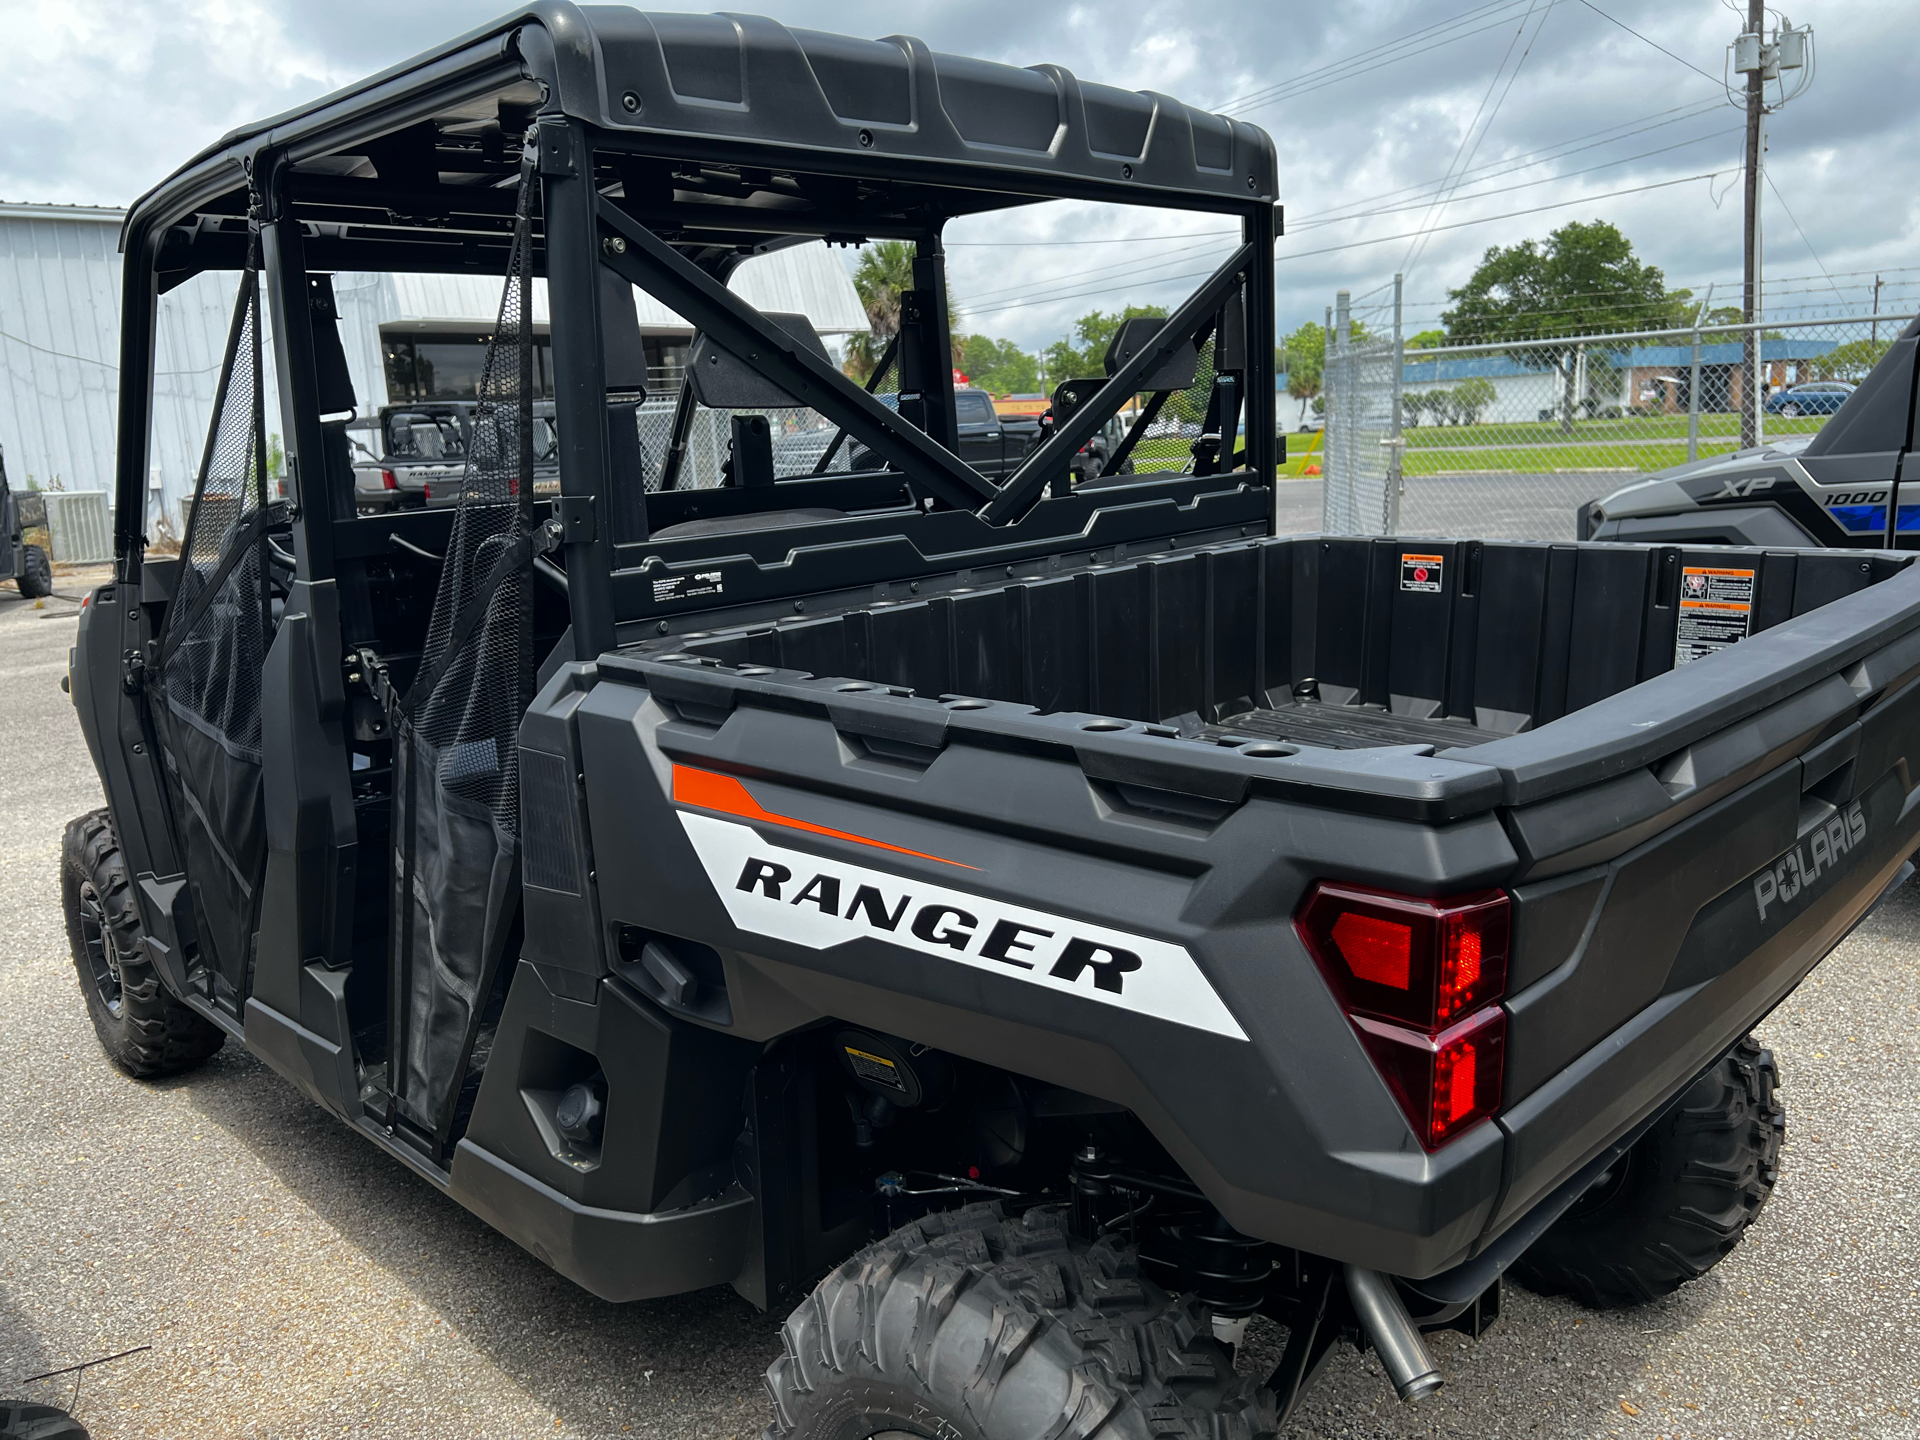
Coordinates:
(1235, 640)
(1347, 727)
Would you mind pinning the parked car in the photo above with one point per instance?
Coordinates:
(1818, 397)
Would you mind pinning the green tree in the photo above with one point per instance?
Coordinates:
(1849, 362)
(1083, 353)
(1306, 363)
(1583, 278)
(1471, 398)
(885, 272)
(999, 365)
(1427, 340)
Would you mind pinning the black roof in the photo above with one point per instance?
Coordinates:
(731, 87)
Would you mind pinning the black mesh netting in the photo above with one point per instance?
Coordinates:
(457, 772)
(211, 657)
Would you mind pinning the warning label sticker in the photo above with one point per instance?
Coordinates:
(876, 1067)
(1421, 573)
(1716, 610)
(689, 587)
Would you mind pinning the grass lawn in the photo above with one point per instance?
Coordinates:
(1170, 452)
(1632, 427)
(1544, 458)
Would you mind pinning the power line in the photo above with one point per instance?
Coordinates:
(1509, 215)
(1380, 239)
(1418, 53)
(1029, 286)
(1527, 160)
(1419, 244)
(1719, 80)
(1096, 240)
(1316, 222)
(1415, 42)
(1768, 177)
(1506, 166)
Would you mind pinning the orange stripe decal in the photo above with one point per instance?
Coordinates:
(705, 790)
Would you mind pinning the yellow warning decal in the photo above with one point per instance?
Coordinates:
(875, 1067)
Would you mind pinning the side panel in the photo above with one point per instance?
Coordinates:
(312, 841)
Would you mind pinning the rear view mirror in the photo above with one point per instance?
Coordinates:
(1176, 372)
(722, 380)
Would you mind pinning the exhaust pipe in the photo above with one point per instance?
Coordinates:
(1396, 1339)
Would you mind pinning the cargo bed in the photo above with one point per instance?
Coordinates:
(1321, 642)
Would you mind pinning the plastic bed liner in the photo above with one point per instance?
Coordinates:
(1347, 727)
(1318, 641)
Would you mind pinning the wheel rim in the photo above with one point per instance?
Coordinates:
(1793, 410)
(103, 953)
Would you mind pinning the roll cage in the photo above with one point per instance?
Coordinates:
(669, 149)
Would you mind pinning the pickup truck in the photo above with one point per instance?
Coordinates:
(1020, 930)
(995, 444)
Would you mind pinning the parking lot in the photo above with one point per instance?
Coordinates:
(291, 1282)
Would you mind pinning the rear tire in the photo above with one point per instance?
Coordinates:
(971, 1326)
(23, 1420)
(144, 1028)
(1676, 1203)
(36, 573)
(1791, 410)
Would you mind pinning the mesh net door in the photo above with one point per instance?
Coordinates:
(211, 656)
(456, 828)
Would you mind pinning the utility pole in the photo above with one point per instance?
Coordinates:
(1760, 58)
(1750, 295)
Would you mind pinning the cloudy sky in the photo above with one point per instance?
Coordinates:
(1549, 107)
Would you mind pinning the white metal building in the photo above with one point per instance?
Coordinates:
(60, 322)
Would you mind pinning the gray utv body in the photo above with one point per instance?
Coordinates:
(1839, 487)
(781, 779)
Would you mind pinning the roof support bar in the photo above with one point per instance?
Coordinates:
(660, 270)
(1023, 487)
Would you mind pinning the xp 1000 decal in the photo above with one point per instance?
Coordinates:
(804, 899)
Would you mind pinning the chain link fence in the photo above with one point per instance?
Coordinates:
(1362, 489)
(1508, 440)
(801, 435)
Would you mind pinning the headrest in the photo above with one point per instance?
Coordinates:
(721, 380)
(1176, 372)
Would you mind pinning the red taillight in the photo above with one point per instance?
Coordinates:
(1399, 957)
(426, 492)
(387, 482)
(1418, 978)
(1445, 1083)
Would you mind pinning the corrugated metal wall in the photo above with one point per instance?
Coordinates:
(60, 336)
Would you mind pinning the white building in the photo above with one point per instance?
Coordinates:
(60, 338)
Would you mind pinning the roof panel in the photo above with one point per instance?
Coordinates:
(749, 88)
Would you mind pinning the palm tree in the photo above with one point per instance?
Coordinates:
(884, 273)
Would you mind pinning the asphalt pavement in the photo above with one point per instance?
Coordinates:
(1488, 505)
(292, 1282)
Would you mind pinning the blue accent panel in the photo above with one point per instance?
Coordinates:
(1861, 518)
(1872, 519)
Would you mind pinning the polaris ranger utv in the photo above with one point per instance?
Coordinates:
(25, 557)
(1839, 486)
(1024, 928)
